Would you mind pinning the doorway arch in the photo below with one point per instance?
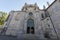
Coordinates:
(30, 26)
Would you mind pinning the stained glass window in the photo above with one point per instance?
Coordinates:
(30, 23)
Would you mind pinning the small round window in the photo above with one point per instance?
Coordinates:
(30, 14)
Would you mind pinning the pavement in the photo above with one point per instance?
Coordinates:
(9, 37)
(4, 37)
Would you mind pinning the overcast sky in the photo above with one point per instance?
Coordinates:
(8, 5)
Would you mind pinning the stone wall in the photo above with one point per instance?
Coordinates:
(54, 12)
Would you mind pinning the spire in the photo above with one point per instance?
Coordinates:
(25, 3)
(44, 7)
(35, 3)
(48, 3)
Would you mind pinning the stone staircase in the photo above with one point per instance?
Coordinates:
(31, 37)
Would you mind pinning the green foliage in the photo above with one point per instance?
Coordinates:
(3, 18)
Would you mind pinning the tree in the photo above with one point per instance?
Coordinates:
(3, 17)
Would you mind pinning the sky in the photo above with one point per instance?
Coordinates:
(8, 5)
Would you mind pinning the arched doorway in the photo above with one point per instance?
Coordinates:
(30, 26)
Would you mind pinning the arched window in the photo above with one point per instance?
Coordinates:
(42, 16)
(30, 23)
(30, 26)
(46, 14)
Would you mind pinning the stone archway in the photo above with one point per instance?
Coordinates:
(30, 26)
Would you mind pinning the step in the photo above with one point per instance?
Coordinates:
(31, 37)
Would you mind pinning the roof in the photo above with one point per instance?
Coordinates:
(50, 5)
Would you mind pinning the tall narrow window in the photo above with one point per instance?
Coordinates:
(42, 16)
(30, 26)
(46, 14)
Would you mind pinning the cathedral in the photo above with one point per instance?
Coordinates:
(34, 23)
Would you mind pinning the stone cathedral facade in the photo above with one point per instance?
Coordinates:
(33, 22)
